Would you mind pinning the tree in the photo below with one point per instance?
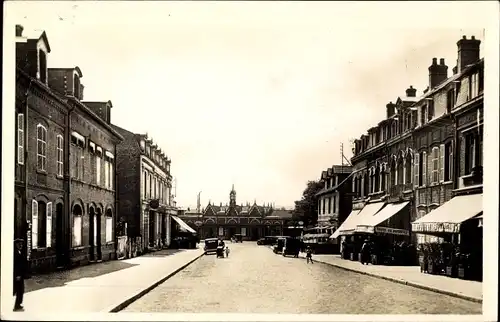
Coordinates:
(306, 209)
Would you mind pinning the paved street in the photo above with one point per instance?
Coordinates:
(255, 280)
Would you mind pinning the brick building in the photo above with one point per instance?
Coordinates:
(457, 217)
(64, 186)
(335, 199)
(144, 192)
(251, 221)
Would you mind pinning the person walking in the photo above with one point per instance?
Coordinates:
(309, 255)
(227, 251)
(365, 252)
(20, 267)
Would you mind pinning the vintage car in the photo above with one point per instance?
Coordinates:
(211, 245)
(267, 240)
(238, 238)
(292, 246)
(280, 243)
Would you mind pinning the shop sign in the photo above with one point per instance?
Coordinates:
(28, 240)
(392, 231)
(364, 229)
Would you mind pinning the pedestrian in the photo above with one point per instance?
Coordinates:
(365, 252)
(20, 267)
(227, 251)
(309, 255)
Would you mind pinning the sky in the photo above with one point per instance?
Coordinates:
(255, 94)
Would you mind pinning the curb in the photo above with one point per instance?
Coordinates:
(124, 304)
(404, 282)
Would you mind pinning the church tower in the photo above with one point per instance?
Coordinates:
(232, 198)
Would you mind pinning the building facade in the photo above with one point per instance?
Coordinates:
(145, 196)
(251, 221)
(335, 199)
(65, 192)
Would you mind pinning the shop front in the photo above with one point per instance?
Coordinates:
(352, 240)
(183, 236)
(389, 234)
(459, 224)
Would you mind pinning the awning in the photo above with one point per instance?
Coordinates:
(366, 214)
(448, 217)
(184, 226)
(349, 218)
(370, 224)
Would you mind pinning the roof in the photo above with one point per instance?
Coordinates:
(280, 213)
(323, 191)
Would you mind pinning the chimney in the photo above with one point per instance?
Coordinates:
(19, 30)
(468, 52)
(437, 73)
(391, 107)
(411, 92)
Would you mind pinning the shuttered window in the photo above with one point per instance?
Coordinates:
(417, 168)
(34, 224)
(109, 229)
(60, 155)
(41, 142)
(77, 230)
(424, 168)
(442, 164)
(49, 224)
(435, 165)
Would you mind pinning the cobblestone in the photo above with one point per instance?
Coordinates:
(255, 280)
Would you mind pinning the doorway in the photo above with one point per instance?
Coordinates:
(98, 233)
(92, 233)
(60, 251)
(152, 224)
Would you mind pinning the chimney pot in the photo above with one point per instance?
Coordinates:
(441, 61)
(19, 30)
(473, 38)
(464, 37)
(434, 61)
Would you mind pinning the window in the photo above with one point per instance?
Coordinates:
(408, 167)
(109, 226)
(145, 184)
(435, 165)
(329, 205)
(43, 66)
(39, 217)
(393, 173)
(480, 148)
(106, 174)
(470, 153)
(243, 231)
(324, 206)
(76, 86)
(473, 85)
(334, 203)
(49, 225)
(400, 172)
(111, 175)
(448, 162)
(41, 142)
(91, 147)
(77, 226)
(150, 186)
(98, 170)
(20, 138)
(423, 115)
(423, 159)
(60, 155)
(430, 110)
(160, 194)
(417, 170)
(450, 101)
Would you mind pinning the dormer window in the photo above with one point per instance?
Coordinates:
(42, 63)
(430, 109)
(143, 145)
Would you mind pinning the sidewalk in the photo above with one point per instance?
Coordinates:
(410, 275)
(103, 287)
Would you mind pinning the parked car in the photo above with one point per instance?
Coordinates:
(211, 245)
(238, 238)
(267, 240)
(278, 248)
(291, 246)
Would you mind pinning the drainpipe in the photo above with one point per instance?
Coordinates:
(115, 187)
(25, 152)
(456, 154)
(66, 223)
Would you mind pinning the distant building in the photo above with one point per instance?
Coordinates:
(251, 221)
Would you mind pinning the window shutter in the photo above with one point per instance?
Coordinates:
(441, 162)
(34, 224)
(416, 168)
(49, 224)
(450, 165)
(424, 168)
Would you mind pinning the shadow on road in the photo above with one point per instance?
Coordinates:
(163, 253)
